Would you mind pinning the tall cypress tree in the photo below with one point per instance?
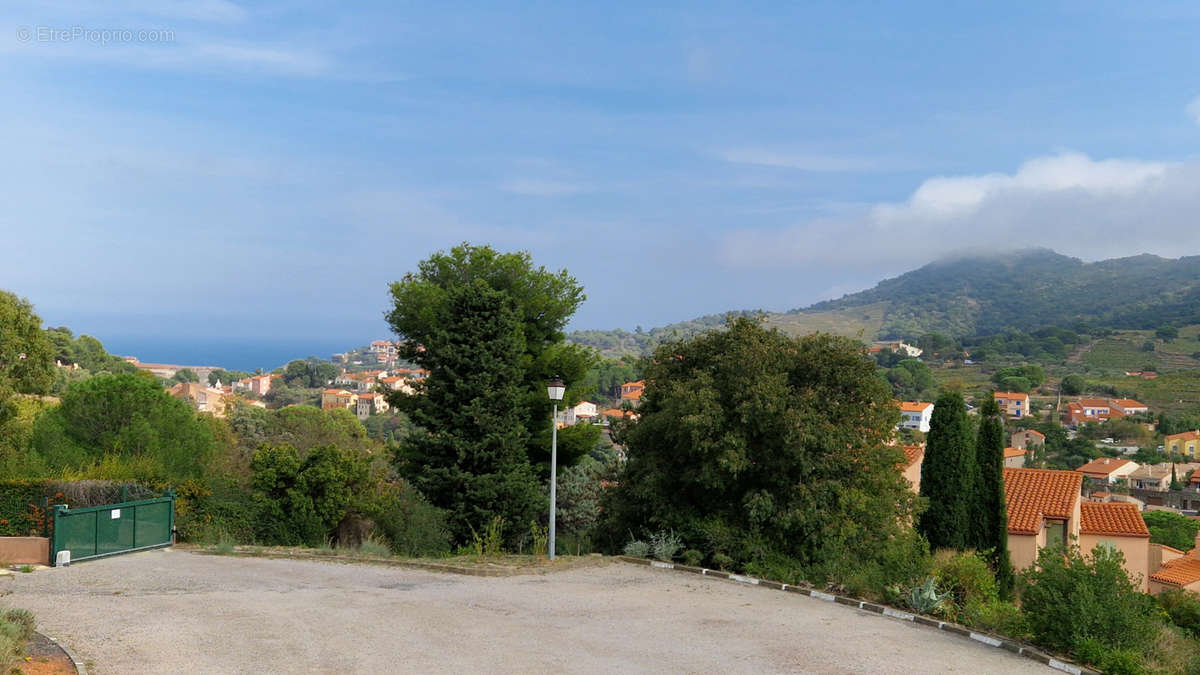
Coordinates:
(948, 475)
(471, 458)
(990, 519)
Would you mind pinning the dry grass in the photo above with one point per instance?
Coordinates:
(859, 322)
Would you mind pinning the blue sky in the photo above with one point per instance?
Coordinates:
(263, 171)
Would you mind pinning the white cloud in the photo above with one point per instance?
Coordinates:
(802, 161)
(1068, 201)
(1193, 110)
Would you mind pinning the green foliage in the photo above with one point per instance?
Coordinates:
(1166, 333)
(535, 304)
(414, 527)
(16, 628)
(1184, 609)
(1171, 529)
(637, 549)
(226, 377)
(948, 475)
(925, 598)
(1021, 384)
(128, 420)
(540, 536)
(302, 501)
(911, 380)
(988, 515)
(473, 459)
(491, 541)
(26, 354)
(764, 449)
(664, 545)
(607, 375)
(967, 580)
(1031, 373)
(310, 373)
(1073, 384)
(185, 375)
(1086, 604)
(692, 557)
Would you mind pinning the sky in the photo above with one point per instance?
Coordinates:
(211, 172)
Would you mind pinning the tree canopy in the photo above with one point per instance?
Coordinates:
(26, 354)
(540, 302)
(948, 475)
(767, 450)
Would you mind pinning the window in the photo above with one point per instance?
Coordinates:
(1056, 532)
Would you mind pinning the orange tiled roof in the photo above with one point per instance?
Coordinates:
(1103, 467)
(1093, 403)
(915, 406)
(1032, 431)
(1120, 519)
(1005, 395)
(1184, 436)
(1129, 403)
(1178, 572)
(635, 395)
(1034, 494)
(1013, 452)
(912, 453)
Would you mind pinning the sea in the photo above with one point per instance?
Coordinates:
(247, 354)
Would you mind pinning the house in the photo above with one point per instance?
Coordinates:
(1128, 406)
(585, 411)
(1118, 525)
(370, 404)
(1158, 476)
(914, 456)
(1108, 469)
(1177, 570)
(617, 413)
(1097, 408)
(1027, 438)
(1043, 510)
(257, 384)
(1014, 458)
(1182, 444)
(1014, 404)
(897, 346)
(915, 415)
(202, 398)
(332, 399)
(632, 391)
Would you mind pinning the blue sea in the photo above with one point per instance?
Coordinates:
(248, 354)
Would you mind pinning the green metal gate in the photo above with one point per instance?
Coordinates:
(100, 531)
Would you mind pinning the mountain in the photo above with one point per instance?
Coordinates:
(1026, 290)
(979, 294)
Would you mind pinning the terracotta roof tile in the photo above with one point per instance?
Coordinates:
(912, 453)
(1103, 467)
(1033, 494)
(1184, 436)
(914, 406)
(1129, 403)
(1121, 519)
(1178, 572)
(1005, 395)
(1013, 452)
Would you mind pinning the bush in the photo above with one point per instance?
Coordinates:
(692, 557)
(637, 549)
(664, 545)
(16, 627)
(414, 527)
(966, 577)
(1172, 529)
(303, 501)
(1183, 608)
(722, 561)
(1073, 385)
(1087, 604)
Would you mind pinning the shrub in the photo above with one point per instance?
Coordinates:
(664, 545)
(637, 549)
(996, 616)
(966, 577)
(301, 501)
(376, 546)
(1183, 608)
(16, 627)
(415, 527)
(924, 598)
(722, 561)
(1073, 598)
(692, 557)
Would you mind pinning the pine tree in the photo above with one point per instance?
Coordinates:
(948, 475)
(990, 512)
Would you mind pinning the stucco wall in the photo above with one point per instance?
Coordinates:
(25, 550)
(1022, 550)
(1135, 549)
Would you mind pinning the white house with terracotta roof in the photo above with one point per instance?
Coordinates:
(1108, 469)
(915, 415)
(1014, 404)
(1027, 438)
(1128, 406)
(1014, 458)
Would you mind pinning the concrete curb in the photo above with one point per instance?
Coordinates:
(78, 662)
(996, 641)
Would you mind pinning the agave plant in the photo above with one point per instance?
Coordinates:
(925, 598)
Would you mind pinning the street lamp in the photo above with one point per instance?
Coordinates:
(555, 389)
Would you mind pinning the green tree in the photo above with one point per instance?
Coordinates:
(1171, 529)
(127, 418)
(1073, 384)
(26, 353)
(541, 301)
(769, 450)
(1087, 604)
(990, 513)
(1166, 333)
(226, 376)
(948, 475)
(302, 500)
(472, 459)
(185, 375)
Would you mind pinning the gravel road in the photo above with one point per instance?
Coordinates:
(175, 612)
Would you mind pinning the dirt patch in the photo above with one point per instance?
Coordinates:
(45, 657)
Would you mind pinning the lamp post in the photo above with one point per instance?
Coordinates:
(555, 389)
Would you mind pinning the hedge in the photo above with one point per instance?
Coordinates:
(25, 504)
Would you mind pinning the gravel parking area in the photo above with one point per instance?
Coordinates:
(175, 612)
